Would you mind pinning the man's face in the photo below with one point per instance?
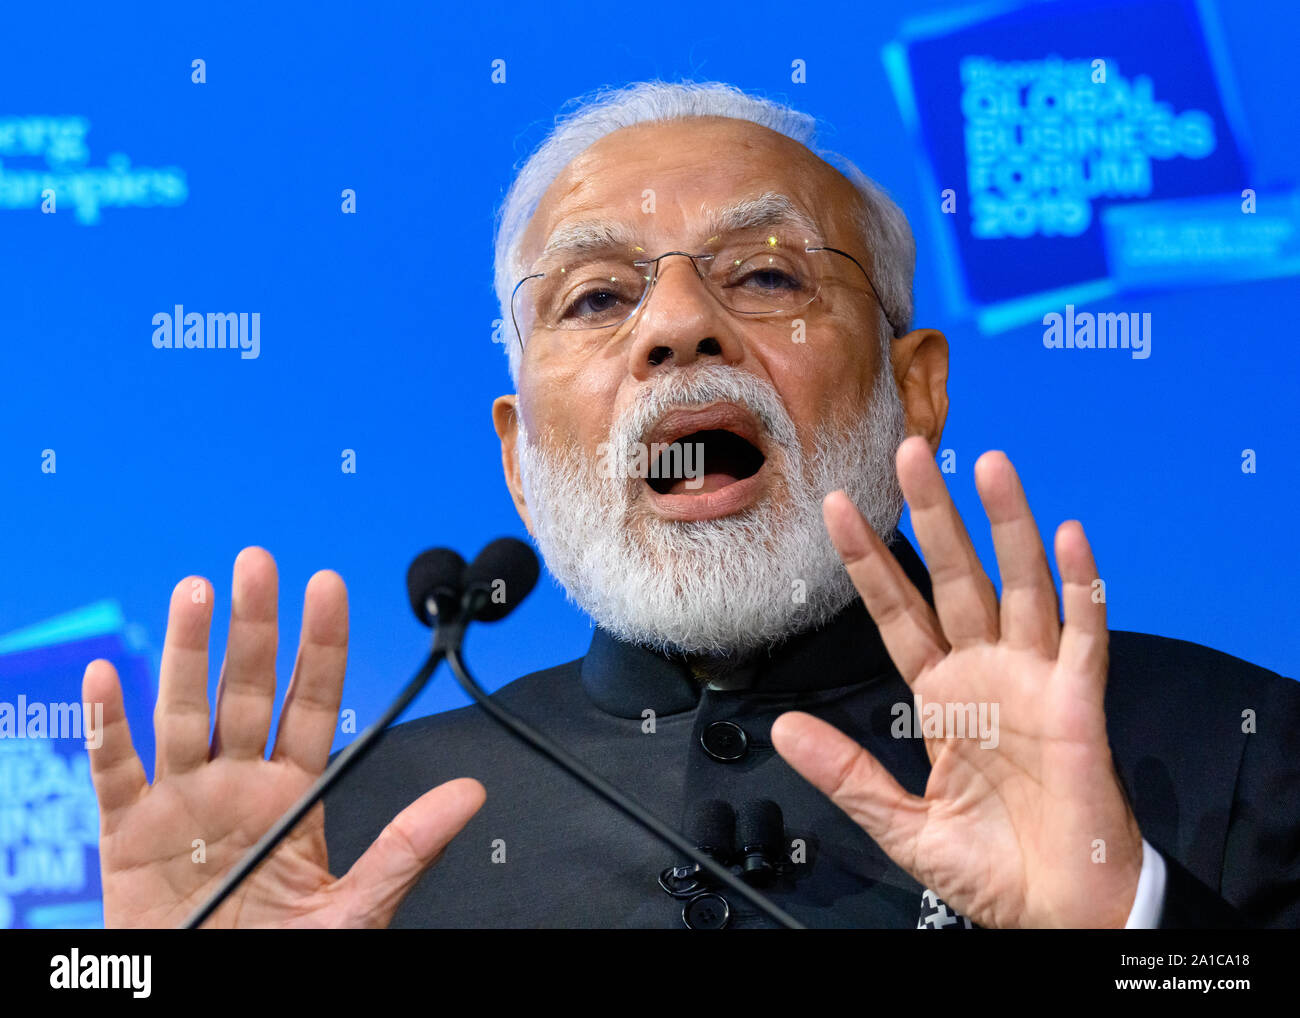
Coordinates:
(577, 387)
(779, 406)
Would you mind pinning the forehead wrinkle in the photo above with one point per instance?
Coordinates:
(763, 211)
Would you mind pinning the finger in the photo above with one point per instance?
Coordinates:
(1084, 638)
(1030, 615)
(964, 598)
(180, 717)
(854, 780)
(409, 845)
(907, 626)
(246, 693)
(115, 768)
(311, 706)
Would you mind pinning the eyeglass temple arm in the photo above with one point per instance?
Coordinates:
(519, 336)
(874, 292)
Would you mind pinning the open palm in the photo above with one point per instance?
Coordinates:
(1027, 828)
(165, 846)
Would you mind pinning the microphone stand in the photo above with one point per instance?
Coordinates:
(627, 806)
(447, 640)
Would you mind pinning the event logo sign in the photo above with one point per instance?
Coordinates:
(1073, 151)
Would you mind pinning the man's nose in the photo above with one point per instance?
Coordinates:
(682, 322)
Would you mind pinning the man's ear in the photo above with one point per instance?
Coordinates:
(506, 421)
(920, 362)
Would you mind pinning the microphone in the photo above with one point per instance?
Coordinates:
(434, 583)
(509, 561)
(503, 574)
(713, 829)
(761, 832)
(446, 594)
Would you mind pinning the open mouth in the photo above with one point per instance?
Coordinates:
(703, 462)
(706, 462)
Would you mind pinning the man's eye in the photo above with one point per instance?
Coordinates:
(594, 306)
(770, 279)
(597, 300)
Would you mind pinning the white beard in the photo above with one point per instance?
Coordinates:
(726, 586)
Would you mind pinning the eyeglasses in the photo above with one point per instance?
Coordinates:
(759, 273)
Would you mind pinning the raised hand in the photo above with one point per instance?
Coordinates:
(164, 847)
(1012, 834)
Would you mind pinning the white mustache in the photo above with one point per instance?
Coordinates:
(713, 383)
(723, 585)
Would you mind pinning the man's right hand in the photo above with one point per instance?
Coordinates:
(212, 802)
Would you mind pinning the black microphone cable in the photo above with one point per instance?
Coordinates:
(477, 600)
(340, 765)
(433, 581)
(612, 795)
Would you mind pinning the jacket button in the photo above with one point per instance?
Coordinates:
(725, 741)
(706, 911)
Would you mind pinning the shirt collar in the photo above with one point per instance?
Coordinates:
(625, 679)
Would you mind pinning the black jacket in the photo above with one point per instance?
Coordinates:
(1222, 804)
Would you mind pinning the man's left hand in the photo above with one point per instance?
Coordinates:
(1012, 834)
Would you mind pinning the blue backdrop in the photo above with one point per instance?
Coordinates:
(376, 328)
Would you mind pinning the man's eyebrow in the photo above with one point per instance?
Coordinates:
(763, 211)
(590, 235)
(768, 209)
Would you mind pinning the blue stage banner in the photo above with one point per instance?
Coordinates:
(1072, 151)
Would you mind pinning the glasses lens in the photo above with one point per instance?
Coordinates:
(586, 294)
(764, 272)
(754, 272)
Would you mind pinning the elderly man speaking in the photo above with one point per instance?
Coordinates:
(720, 409)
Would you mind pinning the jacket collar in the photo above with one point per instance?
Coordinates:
(625, 679)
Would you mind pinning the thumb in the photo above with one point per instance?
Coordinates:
(409, 845)
(853, 779)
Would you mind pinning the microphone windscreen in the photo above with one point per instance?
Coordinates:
(759, 824)
(506, 571)
(438, 574)
(712, 828)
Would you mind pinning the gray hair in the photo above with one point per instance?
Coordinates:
(884, 229)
